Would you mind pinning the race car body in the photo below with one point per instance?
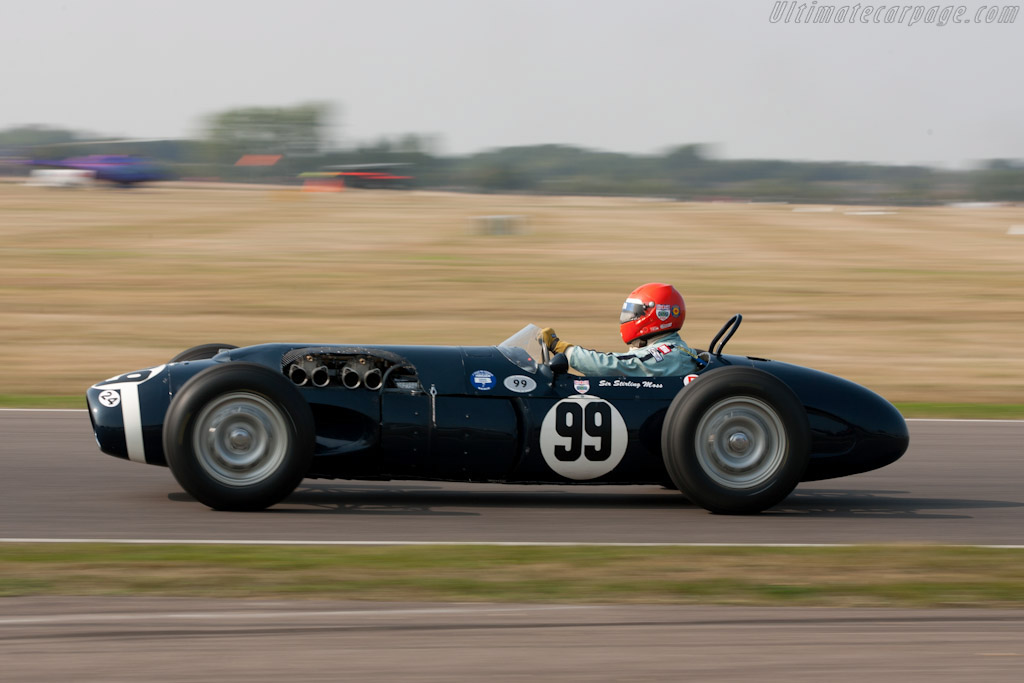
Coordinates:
(241, 427)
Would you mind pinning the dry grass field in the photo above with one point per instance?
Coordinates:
(920, 304)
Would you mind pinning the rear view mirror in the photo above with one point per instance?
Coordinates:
(559, 364)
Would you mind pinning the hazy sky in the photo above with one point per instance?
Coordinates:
(623, 76)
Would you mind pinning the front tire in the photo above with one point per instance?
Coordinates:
(736, 441)
(238, 436)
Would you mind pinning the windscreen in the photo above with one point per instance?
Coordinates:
(523, 348)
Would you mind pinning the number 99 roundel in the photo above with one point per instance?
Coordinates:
(583, 437)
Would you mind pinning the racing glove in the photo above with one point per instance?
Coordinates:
(551, 340)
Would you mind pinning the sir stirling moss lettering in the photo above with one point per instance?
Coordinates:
(631, 383)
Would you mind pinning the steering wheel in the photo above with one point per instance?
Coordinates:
(545, 352)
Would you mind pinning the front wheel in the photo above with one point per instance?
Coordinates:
(238, 436)
(736, 441)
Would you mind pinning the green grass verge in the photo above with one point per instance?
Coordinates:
(979, 411)
(920, 576)
(34, 401)
(976, 411)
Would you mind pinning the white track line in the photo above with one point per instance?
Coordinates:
(273, 614)
(941, 419)
(507, 544)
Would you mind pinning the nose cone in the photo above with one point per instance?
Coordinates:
(884, 436)
(866, 433)
(853, 429)
(127, 414)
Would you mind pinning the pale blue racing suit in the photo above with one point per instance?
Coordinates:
(663, 356)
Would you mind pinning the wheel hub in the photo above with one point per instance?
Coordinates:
(240, 439)
(739, 442)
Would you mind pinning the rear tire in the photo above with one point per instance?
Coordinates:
(736, 441)
(238, 436)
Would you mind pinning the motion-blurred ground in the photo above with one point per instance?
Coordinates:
(919, 304)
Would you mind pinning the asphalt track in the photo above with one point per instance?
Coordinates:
(157, 640)
(960, 483)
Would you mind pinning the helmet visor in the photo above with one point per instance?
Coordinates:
(632, 309)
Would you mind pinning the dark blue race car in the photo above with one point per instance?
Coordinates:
(241, 427)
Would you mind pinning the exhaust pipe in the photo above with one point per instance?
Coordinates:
(357, 373)
(297, 374)
(320, 376)
(372, 379)
(350, 378)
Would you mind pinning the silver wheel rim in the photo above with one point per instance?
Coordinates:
(240, 438)
(741, 442)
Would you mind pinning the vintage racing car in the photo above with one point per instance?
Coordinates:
(241, 427)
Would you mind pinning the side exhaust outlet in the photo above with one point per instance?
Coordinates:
(372, 379)
(320, 377)
(350, 378)
(297, 374)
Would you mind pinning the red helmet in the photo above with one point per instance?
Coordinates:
(651, 309)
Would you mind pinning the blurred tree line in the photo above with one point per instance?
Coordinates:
(300, 135)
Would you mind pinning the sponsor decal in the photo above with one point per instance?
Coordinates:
(658, 355)
(583, 437)
(631, 383)
(675, 311)
(482, 380)
(521, 384)
(110, 398)
(663, 311)
(665, 349)
(689, 378)
(581, 386)
(664, 326)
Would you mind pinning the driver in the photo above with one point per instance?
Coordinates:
(651, 318)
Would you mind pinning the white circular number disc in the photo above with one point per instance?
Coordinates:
(110, 398)
(567, 433)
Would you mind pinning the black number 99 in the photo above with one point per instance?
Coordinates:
(573, 420)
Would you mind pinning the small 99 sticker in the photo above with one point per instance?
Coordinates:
(520, 384)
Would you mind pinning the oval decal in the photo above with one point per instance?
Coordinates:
(521, 384)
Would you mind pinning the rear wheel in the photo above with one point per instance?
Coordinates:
(736, 441)
(239, 436)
